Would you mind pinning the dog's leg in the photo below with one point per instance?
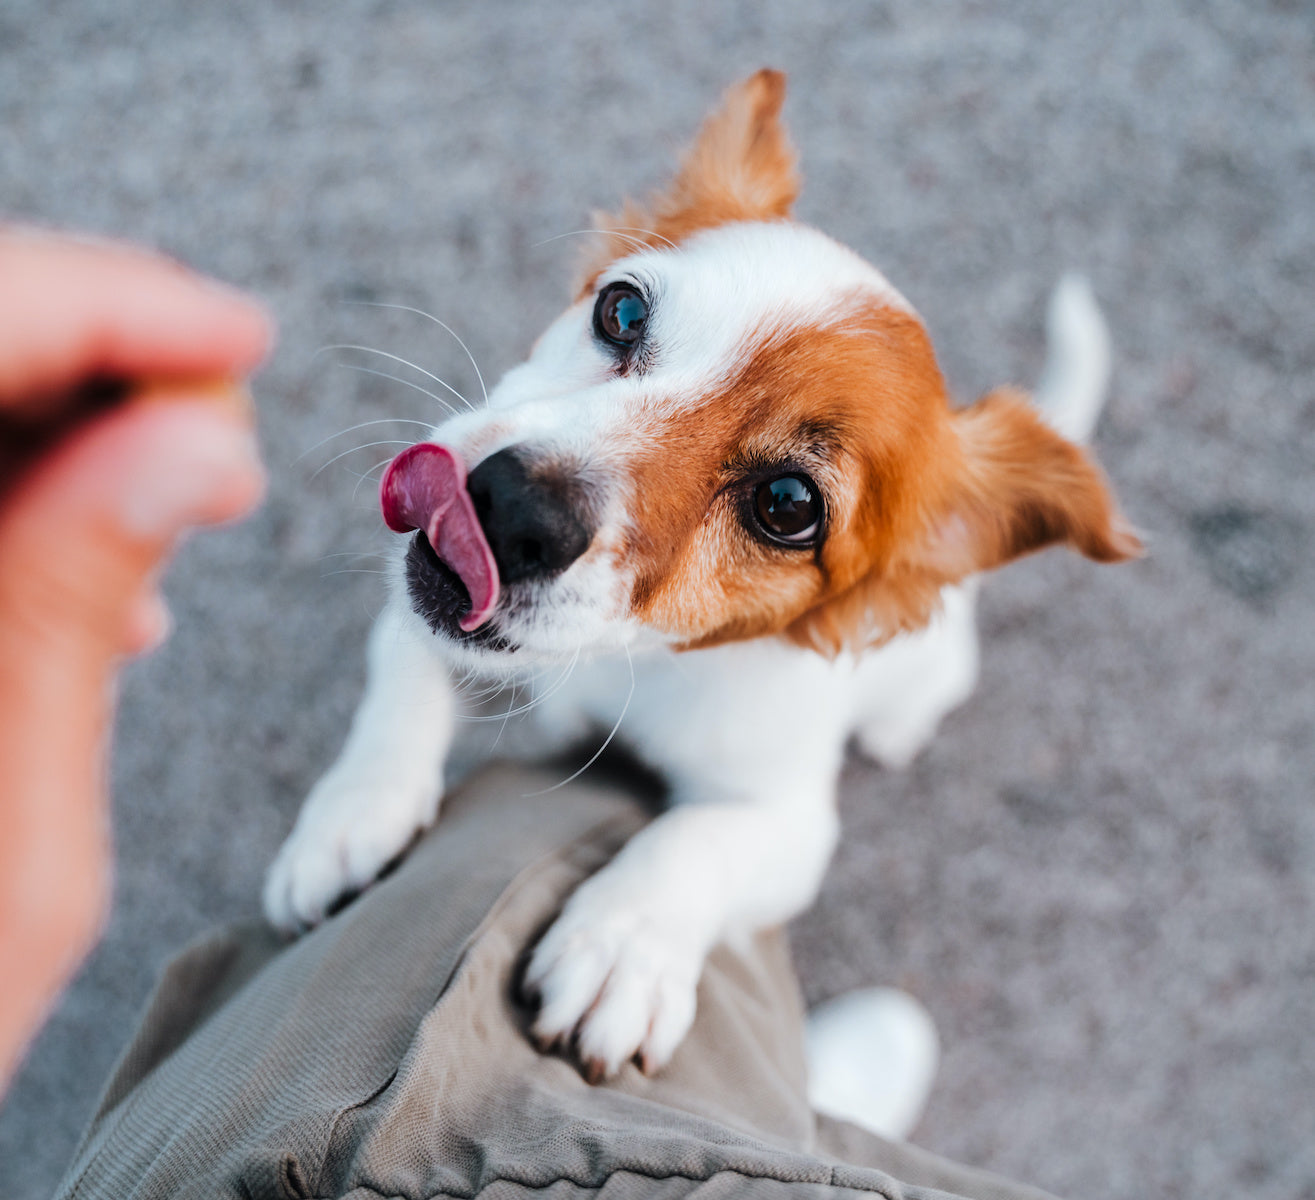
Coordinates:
(618, 971)
(907, 687)
(385, 786)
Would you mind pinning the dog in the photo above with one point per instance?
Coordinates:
(726, 495)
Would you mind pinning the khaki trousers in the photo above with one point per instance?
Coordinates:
(384, 1054)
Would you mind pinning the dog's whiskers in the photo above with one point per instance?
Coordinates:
(369, 474)
(362, 425)
(491, 694)
(518, 680)
(557, 683)
(462, 686)
(446, 404)
(353, 554)
(534, 701)
(505, 718)
(653, 233)
(397, 358)
(420, 312)
(495, 687)
(637, 243)
(597, 754)
(363, 446)
(490, 691)
(624, 232)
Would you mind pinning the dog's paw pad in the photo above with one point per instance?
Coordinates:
(618, 986)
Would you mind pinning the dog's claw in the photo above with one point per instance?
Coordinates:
(594, 1070)
(546, 1043)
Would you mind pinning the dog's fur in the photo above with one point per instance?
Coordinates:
(743, 664)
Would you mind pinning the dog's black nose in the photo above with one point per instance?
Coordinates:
(535, 521)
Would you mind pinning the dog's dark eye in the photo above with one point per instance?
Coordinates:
(620, 314)
(789, 509)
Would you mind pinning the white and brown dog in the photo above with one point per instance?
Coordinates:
(728, 488)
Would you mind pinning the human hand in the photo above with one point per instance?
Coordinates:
(85, 528)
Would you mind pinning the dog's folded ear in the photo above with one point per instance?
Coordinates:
(741, 167)
(1010, 485)
(1021, 487)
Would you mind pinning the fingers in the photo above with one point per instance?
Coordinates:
(82, 542)
(75, 308)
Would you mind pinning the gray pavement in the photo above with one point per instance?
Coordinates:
(1100, 878)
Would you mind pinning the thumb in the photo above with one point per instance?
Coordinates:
(83, 536)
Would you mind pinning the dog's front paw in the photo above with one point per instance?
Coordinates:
(351, 826)
(614, 984)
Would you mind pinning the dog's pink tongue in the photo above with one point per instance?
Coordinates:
(424, 487)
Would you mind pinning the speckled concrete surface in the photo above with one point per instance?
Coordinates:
(1100, 879)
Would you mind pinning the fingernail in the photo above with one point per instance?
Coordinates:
(207, 470)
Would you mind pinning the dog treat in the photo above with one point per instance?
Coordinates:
(226, 391)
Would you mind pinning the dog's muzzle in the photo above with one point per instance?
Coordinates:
(507, 523)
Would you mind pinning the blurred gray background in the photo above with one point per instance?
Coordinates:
(1100, 877)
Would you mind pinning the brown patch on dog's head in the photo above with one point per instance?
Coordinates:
(741, 167)
(857, 406)
(916, 496)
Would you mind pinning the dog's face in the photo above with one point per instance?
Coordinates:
(737, 430)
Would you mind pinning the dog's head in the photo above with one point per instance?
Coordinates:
(737, 430)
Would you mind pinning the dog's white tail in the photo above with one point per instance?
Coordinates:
(1077, 373)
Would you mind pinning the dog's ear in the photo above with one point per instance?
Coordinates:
(1011, 485)
(1022, 487)
(741, 167)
